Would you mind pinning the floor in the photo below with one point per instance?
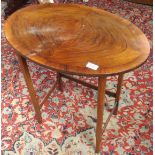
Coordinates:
(69, 118)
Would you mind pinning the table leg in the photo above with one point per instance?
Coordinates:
(24, 68)
(59, 81)
(100, 109)
(118, 92)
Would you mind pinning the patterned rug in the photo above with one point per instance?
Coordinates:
(69, 118)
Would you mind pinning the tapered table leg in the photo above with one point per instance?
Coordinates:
(118, 92)
(59, 81)
(24, 68)
(100, 109)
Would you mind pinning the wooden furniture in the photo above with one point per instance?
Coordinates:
(76, 39)
(147, 2)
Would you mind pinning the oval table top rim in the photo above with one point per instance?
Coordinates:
(81, 74)
(68, 71)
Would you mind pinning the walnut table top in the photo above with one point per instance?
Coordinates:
(70, 38)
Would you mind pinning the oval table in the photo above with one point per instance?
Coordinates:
(76, 39)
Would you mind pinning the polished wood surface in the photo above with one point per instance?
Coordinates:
(65, 37)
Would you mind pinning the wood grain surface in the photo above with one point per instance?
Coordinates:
(65, 37)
